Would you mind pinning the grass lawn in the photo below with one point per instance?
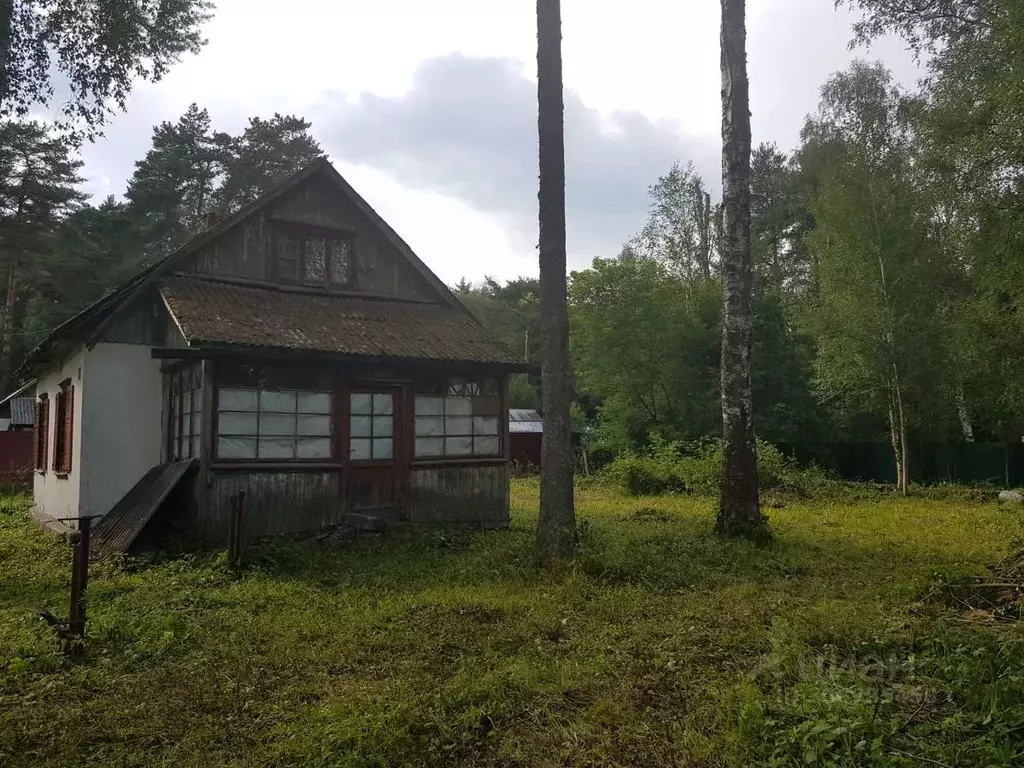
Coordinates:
(658, 646)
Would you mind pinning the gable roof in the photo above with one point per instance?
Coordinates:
(211, 313)
(94, 320)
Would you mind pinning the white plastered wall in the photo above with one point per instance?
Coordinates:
(60, 497)
(121, 430)
(116, 430)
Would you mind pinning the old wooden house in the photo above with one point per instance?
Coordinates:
(298, 350)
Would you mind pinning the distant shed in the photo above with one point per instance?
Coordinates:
(525, 430)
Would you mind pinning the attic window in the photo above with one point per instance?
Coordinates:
(320, 259)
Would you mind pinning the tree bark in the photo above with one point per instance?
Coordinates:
(739, 512)
(556, 528)
(7, 327)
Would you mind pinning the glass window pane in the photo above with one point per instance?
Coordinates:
(186, 424)
(277, 401)
(196, 446)
(360, 426)
(276, 424)
(485, 425)
(314, 425)
(315, 262)
(288, 255)
(277, 447)
(383, 426)
(236, 447)
(428, 405)
(458, 425)
(238, 399)
(314, 402)
(340, 257)
(313, 448)
(383, 404)
(237, 423)
(382, 448)
(429, 446)
(361, 403)
(359, 449)
(428, 426)
(486, 446)
(458, 406)
(458, 446)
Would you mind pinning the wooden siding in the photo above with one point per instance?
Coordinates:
(244, 251)
(145, 322)
(463, 493)
(276, 502)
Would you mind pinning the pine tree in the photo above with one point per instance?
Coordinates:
(174, 185)
(267, 153)
(556, 528)
(38, 179)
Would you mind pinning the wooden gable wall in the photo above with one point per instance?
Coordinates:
(245, 251)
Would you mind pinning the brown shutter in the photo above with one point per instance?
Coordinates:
(58, 409)
(37, 426)
(69, 424)
(44, 433)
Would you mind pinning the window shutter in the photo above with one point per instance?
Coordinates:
(37, 427)
(44, 433)
(69, 424)
(58, 409)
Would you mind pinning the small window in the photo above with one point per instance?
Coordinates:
(41, 437)
(314, 259)
(371, 426)
(462, 422)
(63, 428)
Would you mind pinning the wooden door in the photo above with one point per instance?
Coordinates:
(373, 452)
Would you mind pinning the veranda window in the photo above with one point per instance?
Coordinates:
(459, 421)
(269, 414)
(371, 426)
(185, 413)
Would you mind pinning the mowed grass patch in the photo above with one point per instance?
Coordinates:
(658, 645)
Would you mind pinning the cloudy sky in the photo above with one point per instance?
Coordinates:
(429, 109)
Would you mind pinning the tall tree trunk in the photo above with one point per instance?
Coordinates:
(966, 427)
(739, 512)
(703, 211)
(7, 327)
(556, 528)
(6, 18)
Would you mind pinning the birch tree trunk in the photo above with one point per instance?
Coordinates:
(739, 512)
(556, 527)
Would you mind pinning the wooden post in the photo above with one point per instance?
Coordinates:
(79, 583)
(236, 532)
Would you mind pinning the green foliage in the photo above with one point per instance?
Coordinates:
(659, 645)
(99, 48)
(673, 467)
(265, 154)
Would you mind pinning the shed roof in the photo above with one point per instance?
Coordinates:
(524, 420)
(23, 411)
(215, 313)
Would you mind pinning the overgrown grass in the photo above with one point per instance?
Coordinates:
(659, 645)
(667, 466)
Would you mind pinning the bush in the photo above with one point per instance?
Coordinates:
(672, 467)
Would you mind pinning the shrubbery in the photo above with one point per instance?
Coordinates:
(673, 467)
